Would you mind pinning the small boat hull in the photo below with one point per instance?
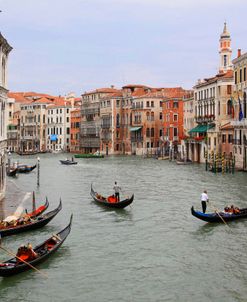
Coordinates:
(219, 216)
(116, 205)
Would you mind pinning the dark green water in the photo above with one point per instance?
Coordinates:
(152, 251)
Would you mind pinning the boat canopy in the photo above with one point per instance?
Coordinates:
(132, 129)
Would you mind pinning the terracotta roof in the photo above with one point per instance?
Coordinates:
(176, 92)
(19, 98)
(135, 86)
(102, 90)
(42, 100)
(225, 75)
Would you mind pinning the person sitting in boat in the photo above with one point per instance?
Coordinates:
(25, 253)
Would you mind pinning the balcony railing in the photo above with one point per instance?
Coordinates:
(242, 123)
(136, 106)
(137, 139)
(237, 141)
(92, 142)
(205, 118)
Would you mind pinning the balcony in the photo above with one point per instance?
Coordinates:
(90, 142)
(137, 139)
(241, 124)
(137, 106)
(205, 118)
(237, 141)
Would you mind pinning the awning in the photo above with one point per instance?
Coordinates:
(132, 129)
(53, 138)
(201, 128)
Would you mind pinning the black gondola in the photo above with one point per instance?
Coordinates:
(40, 210)
(12, 172)
(44, 250)
(104, 201)
(68, 162)
(25, 168)
(35, 223)
(215, 216)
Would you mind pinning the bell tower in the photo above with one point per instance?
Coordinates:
(225, 51)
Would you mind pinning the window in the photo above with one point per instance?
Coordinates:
(160, 103)
(118, 103)
(236, 77)
(175, 104)
(161, 116)
(214, 141)
(147, 103)
(152, 103)
(147, 144)
(152, 132)
(175, 117)
(67, 130)
(67, 110)
(147, 132)
(240, 75)
(223, 138)
(244, 74)
(161, 132)
(67, 119)
(175, 131)
(229, 107)
(225, 60)
(230, 138)
(229, 89)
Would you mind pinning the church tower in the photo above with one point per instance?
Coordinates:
(225, 51)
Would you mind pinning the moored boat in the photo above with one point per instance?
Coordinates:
(68, 162)
(184, 162)
(40, 210)
(43, 251)
(25, 168)
(110, 201)
(30, 224)
(219, 216)
(89, 155)
(12, 172)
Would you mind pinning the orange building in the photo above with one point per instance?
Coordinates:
(75, 121)
(173, 122)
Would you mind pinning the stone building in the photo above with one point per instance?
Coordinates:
(211, 98)
(90, 119)
(75, 122)
(5, 49)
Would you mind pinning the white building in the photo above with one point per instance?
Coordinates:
(5, 49)
(58, 127)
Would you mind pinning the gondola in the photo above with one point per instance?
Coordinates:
(68, 162)
(35, 223)
(12, 172)
(25, 168)
(40, 210)
(105, 201)
(215, 216)
(43, 251)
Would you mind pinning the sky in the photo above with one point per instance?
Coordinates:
(63, 46)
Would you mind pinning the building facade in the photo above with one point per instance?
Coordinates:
(5, 49)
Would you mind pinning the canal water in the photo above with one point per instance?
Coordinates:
(154, 250)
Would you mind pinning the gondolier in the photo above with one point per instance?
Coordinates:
(117, 190)
(204, 200)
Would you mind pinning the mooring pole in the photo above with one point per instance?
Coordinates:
(38, 171)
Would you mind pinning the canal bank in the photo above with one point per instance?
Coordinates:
(152, 251)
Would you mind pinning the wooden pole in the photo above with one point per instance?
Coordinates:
(217, 212)
(13, 254)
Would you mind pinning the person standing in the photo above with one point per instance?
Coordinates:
(204, 200)
(117, 189)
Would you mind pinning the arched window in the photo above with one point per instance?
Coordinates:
(152, 132)
(148, 132)
(148, 116)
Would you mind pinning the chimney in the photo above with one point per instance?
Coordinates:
(112, 86)
(239, 52)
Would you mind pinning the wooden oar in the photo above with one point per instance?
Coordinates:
(14, 255)
(217, 212)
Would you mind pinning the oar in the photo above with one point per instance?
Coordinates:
(217, 212)
(14, 255)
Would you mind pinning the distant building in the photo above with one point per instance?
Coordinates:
(90, 119)
(75, 122)
(5, 49)
(211, 98)
(239, 103)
